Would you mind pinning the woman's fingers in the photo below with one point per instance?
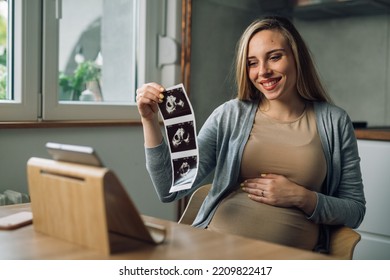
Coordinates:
(150, 92)
(148, 96)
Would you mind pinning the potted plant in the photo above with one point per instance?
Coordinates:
(87, 74)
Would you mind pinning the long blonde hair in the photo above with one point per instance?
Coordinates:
(308, 83)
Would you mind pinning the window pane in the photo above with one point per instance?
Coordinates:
(4, 95)
(97, 51)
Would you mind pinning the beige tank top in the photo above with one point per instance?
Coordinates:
(292, 149)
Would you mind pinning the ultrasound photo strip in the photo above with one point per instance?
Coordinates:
(180, 129)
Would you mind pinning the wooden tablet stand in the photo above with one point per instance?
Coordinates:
(86, 205)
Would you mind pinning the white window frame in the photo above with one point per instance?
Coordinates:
(26, 63)
(36, 64)
(53, 109)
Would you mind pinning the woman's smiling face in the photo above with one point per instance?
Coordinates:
(271, 65)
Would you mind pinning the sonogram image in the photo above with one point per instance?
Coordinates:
(174, 104)
(184, 169)
(181, 136)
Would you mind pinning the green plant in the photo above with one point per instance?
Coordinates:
(3, 58)
(73, 85)
(3, 81)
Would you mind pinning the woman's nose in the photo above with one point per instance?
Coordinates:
(264, 70)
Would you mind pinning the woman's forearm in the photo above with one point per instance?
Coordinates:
(152, 132)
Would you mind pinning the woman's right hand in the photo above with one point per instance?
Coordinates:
(148, 97)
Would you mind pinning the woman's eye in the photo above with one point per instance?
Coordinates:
(275, 57)
(252, 63)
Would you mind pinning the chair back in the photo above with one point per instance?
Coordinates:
(343, 241)
(194, 204)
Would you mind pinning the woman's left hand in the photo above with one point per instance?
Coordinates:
(277, 190)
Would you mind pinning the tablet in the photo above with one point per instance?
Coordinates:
(74, 153)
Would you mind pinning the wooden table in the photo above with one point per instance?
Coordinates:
(182, 242)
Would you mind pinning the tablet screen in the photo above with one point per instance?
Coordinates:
(73, 153)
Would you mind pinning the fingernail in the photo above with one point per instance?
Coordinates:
(263, 174)
(161, 96)
(161, 89)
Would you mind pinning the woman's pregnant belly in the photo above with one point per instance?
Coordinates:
(237, 214)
